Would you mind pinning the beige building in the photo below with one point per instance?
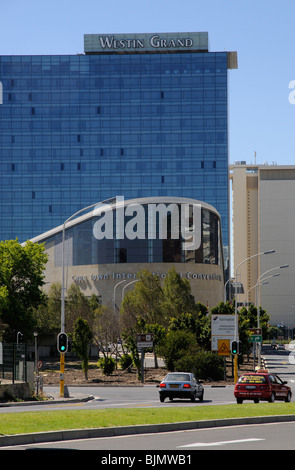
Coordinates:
(263, 219)
(106, 248)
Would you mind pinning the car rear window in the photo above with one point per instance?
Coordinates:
(253, 379)
(177, 377)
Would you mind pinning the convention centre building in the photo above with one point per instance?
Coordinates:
(103, 250)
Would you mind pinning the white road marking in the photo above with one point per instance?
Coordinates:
(221, 443)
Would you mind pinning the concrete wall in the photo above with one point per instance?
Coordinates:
(277, 231)
(207, 281)
(20, 390)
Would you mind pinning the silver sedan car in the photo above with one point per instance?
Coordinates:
(181, 385)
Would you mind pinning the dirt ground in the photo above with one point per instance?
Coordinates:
(74, 375)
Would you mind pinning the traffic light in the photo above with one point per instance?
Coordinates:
(239, 347)
(234, 347)
(62, 342)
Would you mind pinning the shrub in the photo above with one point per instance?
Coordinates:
(205, 365)
(126, 362)
(210, 366)
(107, 365)
(176, 345)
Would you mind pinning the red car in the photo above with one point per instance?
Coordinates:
(261, 385)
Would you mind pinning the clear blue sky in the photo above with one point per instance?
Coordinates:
(261, 118)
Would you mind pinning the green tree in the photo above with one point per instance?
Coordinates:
(81, 338)
(77, 305)
(21, 280)
(48, 315)
(177, 297)
(176, 345)
(105, 328)
(248, 319)
(158, 332)
(142, 303)
(197, 322)
(223, 309)
(129, 337)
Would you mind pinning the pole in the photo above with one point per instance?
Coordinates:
(236, 308)
(62, 375)
(235, 368)
(36, 362)
(142, 365)
(123, 290)
(62, 320)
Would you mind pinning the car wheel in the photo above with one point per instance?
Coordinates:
(272, 398)
(162, 399)
(193, 397)
(239, 401)
(288, 398)
(256, 400)
(201, 397)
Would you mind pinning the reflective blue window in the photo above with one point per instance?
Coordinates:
(82, 248)
(75, 129)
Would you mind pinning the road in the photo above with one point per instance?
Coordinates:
(124, 397)
(148, 395)
(275, 436)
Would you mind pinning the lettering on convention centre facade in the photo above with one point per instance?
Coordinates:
(129, 276)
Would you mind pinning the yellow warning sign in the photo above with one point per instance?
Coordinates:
(223, 347)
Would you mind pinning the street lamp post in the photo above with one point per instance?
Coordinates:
(251, 289)
(260, 282)
(225, 286)
(123, 290)
(266, 272)
(63, 255)
(62, 322)
(236, 307)
(114, 294)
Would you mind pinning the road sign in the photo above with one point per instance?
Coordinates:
(145, 340)
(223, 347)
(222, 327)
(255, 335)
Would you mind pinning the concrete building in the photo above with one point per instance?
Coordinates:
(263, 202)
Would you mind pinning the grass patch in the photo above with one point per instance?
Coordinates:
(30, 422)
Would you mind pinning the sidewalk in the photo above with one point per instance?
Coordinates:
(54, 398)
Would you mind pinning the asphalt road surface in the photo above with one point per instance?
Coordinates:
(274, 436)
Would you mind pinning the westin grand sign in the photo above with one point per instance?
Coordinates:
(100, 43)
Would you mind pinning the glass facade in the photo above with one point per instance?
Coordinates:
(83, 248)
(82, 128)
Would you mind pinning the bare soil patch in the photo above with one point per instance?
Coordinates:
(74, 375)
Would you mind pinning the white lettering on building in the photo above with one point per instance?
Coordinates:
(111, 42)
(157, 42)
(129, 276)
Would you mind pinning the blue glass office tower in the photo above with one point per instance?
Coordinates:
(135, 115)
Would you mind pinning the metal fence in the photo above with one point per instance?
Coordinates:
(13, 365)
